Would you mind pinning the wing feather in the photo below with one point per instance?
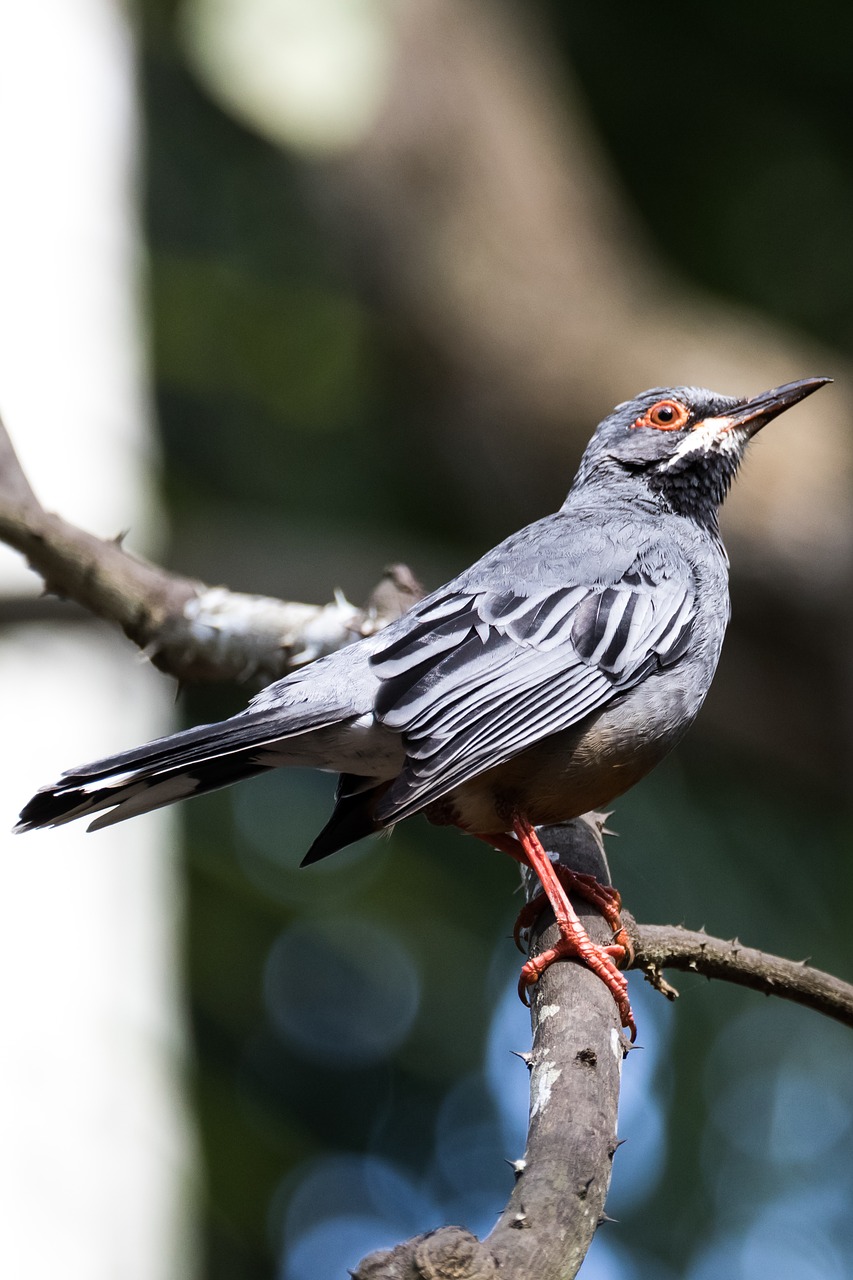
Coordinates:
(477, 677)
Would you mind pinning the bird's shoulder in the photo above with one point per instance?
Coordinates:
(611, 589)
(589, 545)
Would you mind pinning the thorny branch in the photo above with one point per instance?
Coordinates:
(197, 632)
(660, 946)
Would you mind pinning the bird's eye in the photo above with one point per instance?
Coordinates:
(666, 415)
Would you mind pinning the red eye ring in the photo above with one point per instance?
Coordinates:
(666, 415)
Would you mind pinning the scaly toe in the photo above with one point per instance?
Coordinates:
(599, 960)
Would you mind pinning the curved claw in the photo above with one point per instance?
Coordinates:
(622, 944)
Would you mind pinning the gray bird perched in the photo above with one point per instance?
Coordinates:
(541, 683)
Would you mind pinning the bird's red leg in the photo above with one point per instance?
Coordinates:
(506, 844)
(574, 942)
(606, 900)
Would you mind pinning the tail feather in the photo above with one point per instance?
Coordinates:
(249, 728)
(184, 764)
(54, 806)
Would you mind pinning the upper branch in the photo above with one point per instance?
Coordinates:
(188, 629)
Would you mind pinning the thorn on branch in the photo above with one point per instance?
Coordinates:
(654, 976)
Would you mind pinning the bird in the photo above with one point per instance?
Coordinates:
(539, 684)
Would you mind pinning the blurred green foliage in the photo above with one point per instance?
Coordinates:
(729, 128)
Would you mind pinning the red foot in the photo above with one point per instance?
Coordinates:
(606, 900)
(575, 943)
(600, 960)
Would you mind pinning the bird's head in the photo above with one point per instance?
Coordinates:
(684, 444)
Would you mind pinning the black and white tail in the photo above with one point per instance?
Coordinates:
(173, 768)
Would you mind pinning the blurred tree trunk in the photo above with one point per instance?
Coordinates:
(97, 1150)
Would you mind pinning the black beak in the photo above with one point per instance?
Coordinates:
(758, 411)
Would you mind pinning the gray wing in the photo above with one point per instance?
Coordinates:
(478, 676)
